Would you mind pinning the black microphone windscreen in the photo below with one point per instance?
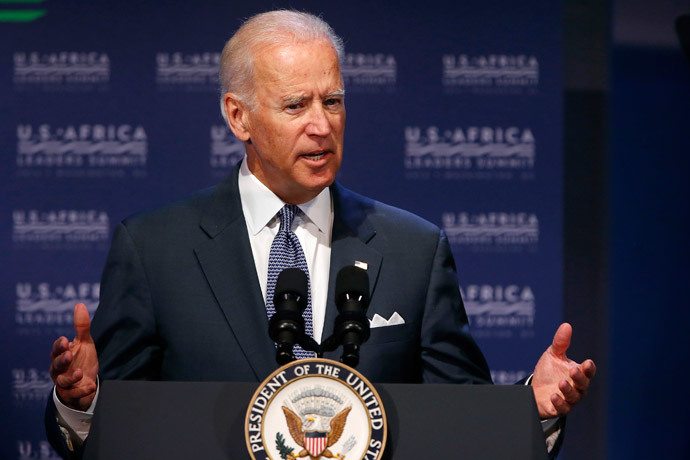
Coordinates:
(352, 280)
(292, 280)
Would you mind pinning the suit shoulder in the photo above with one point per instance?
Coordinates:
(391, 215)
(180, 212)
(383, 216)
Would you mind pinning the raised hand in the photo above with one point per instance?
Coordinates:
(74, 365)
(560, 383)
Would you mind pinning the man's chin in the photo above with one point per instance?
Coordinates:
(316, 189)
(317, 178)
(308, 191)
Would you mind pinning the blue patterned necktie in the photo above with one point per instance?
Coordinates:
(286, 252)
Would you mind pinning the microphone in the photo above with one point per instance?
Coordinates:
(286, 326)
(352, 300)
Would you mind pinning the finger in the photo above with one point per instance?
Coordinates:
(68, 380)
(82, 322)
(59, 346)
(561, 406)
(571, 395)
(70, 395)
(561, 340)
(589, 368)
(580, 379)
(73, 394)
(61, 363)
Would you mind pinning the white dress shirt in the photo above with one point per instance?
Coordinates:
(313, 229)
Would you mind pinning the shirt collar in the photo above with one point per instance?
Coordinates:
(260, 204)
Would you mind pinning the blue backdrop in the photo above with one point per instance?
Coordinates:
(454, 113)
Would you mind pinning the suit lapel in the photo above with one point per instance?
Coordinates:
(228, 264)
(227, 261)
(352, 232)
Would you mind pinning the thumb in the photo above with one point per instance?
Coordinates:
(82, 322)
(561, 340)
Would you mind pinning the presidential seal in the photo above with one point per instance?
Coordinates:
(315, 409)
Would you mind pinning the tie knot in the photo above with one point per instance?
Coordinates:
(287, 214)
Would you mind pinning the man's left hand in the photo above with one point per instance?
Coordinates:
(560, 383)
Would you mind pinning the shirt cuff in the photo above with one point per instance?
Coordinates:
(75, 420)
(550, 426)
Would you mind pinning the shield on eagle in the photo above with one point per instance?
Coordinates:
(315, 442)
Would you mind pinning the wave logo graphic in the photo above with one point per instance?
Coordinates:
(491, 228)
(226, 149)
(30, 384)
(476, 148)
(49, 298)
(51, 305)
(61, 68)
(188, 69)
(60, 226)
(369, 70)
(85, 146)
(492, 306)
(490, 71)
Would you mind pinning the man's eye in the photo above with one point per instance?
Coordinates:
(294, 106)
(331, 101)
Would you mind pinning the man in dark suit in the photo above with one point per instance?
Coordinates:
(184, 287)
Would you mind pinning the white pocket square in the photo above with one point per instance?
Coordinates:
(380, 321)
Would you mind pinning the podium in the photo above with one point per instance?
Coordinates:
(205, 420)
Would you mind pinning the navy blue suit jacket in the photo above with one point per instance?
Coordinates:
(180, 298)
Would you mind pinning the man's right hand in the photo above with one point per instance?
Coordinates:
(74, 365)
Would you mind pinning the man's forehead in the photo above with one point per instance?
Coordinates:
(290, 51)
(290, 69)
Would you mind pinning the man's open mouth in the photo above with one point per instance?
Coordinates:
(315, 156)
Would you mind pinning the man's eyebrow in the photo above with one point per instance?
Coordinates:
(290, 100)
(336, 93)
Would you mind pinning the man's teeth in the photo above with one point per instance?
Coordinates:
(315, 156)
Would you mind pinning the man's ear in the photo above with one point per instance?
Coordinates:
(237, 114)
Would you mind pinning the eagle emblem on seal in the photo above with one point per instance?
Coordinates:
(312, 436)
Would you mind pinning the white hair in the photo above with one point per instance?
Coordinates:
(236, 72)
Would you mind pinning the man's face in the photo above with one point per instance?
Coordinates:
(296, 129)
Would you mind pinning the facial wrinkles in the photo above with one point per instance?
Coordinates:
(308, 88)
(292, 86)
(306, 76)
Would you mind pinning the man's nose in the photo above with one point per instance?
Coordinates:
(319, 124)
